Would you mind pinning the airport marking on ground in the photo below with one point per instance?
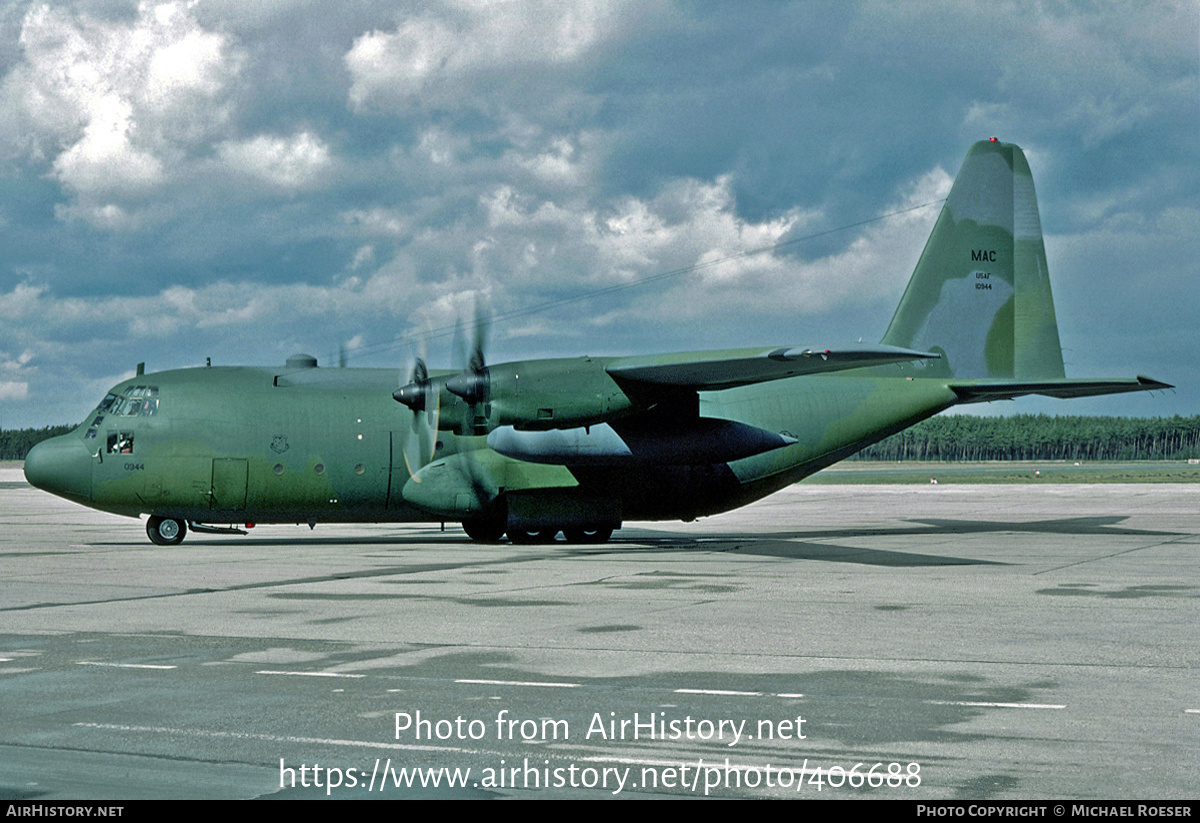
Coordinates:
(124, 665)
(996, 705)
(311, 674)
(520, 683)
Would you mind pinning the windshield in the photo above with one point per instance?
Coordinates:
(134, 401)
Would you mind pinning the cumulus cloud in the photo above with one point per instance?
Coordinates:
(104, 159)
(748, 270)
(14, 375)
(286, 163)
(12, 390)
(21, 302)
(177, 309)
(113, 103)
(427, 56)
(692, 231)
(378, 221)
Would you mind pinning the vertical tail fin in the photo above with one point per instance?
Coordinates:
(980, 295)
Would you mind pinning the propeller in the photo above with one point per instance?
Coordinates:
(415, 393)
(473, 384)
(419, 395)
(422, 396)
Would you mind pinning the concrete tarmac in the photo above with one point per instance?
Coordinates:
(837, 642)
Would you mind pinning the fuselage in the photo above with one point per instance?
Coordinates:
(261, 445)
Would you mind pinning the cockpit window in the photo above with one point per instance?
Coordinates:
(120, 442)
(134, 401)
(138, 401)
(138, 407)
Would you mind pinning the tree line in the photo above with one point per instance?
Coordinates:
(16, 443)
(955, 437)
(1042, 437)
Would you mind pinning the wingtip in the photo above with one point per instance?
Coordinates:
(1151, 384)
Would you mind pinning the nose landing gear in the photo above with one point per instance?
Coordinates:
(166, 531)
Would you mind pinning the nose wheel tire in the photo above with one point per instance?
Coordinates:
(166, 531)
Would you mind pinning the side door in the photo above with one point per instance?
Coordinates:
(229, 475)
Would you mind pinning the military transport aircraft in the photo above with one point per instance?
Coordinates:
(532, 448)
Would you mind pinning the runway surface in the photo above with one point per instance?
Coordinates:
(959, 642)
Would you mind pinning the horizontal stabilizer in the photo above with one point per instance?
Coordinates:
(972, 392)
(725, 369)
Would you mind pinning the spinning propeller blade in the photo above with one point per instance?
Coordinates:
(420, 395)
(473, 384)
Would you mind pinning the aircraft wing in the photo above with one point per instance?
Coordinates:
(983, 391)
(716, 370)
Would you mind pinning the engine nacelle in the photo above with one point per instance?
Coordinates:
(553, 394)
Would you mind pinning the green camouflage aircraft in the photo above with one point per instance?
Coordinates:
(532, 448)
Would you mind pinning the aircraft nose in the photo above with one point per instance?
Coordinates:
(62, 466)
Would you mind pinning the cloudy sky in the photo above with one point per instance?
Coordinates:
(244, 181)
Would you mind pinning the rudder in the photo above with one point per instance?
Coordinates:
(980, 294)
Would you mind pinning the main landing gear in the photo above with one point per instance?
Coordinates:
(491, 530)
(580, 535)
(484, 530)
(572, 534)
(166, 531)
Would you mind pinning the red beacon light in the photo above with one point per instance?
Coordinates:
(993, 140)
